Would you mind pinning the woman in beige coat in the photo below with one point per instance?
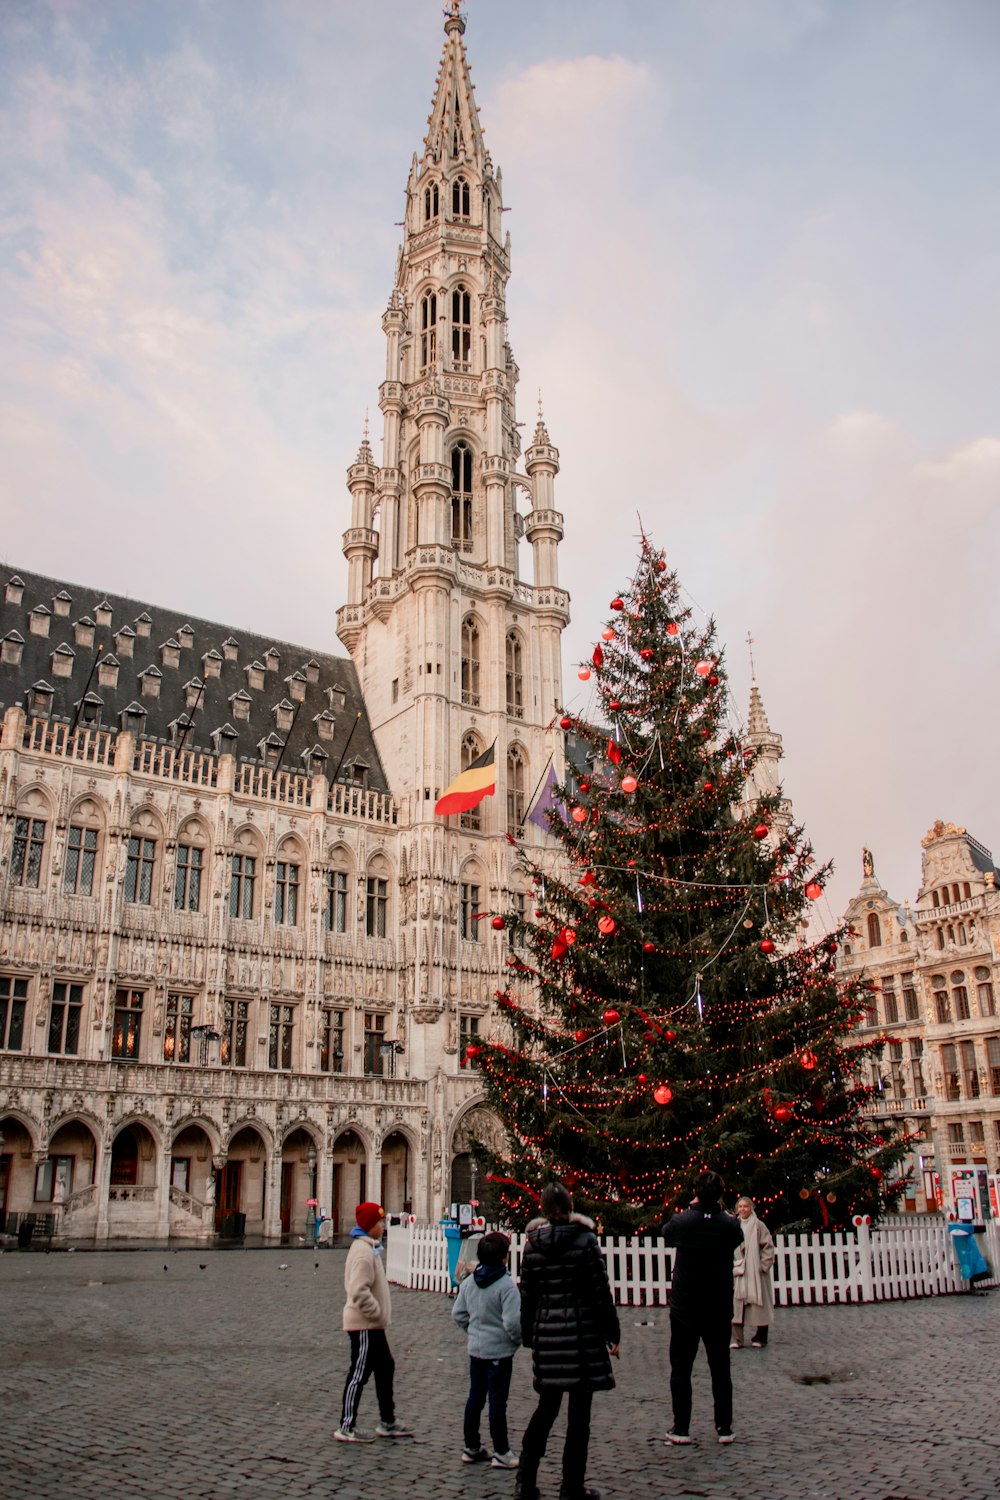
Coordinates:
(753, 1284)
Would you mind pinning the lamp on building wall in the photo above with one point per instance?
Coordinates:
(390, 1051)
(206, 1035)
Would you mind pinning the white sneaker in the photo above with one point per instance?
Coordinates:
(393, 1429)
(508, 1460)
(352, 1435)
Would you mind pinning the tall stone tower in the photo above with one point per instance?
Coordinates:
(455, 650)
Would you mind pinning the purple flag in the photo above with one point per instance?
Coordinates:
(545, 801)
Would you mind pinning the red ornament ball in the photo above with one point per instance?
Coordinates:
(671, 1036)
(782, 1114)
(761, 831)
(614, 705)
(648, 947)
(617, 604)
(646, 653)
(662, 1094)
(703, 668)
(642, 1078)
(565, 722)
(579, 815)
(606, 926)
(767, 946)
(584, 674)
(568, 936)
(629, 783)
(713, 681)
(877, 1173)
(472, 1050)
(708, 787)
(607, 635)
(660, 566)
(580, 1036)
(611, 1017)
(649, 1036)
(808, 1059)
(673, 628)
(498, 924)
(814, 890)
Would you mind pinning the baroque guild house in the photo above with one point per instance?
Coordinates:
(241, 959)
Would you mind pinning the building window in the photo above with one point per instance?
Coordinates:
(969, 1070)
(874, 931)
(286, 894)
(127, 1031)
(428, 329)
(941, 1007)
(139, 870)
(461, 496)
(26, 854)
(468, 1036)
(460, 200)
(911, 1005)
(917, 1065)
(177, 1028)
(279, 1041)
(889, 1001)
(81, 858)
(984, 991)
(13, 1003)
(897, 1081)
(377, 907)
(515, 790)
(54, 1179)
(960, 996)
(187, 881)
(461, 328)
(242, 880)
(64, 1018)
(993, 1062)
(515, 695)
(432, 202)
(952, 1079)
(374, 1038)
(335, 910)
(470, 663)
(469, 912)
(331, 1056)
(956, 1133)
(233, 1045)
(471, 750)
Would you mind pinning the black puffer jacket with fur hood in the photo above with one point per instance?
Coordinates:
(568, 1317)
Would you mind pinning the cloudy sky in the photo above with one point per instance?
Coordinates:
(756, 250)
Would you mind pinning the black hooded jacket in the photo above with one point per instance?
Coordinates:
(704, 1240)
(568, 1317)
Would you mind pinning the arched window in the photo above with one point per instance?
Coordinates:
(984, 991)
(874, 931)
(470, 663)
(516, 772)
(428, 330)
(461, 328)
(432, 202)
(941, 1006)
(461, 496)
(471, 748)
(460, 198)
(515, 698)
(960, 995)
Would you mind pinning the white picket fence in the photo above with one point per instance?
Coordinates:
(901, 1258)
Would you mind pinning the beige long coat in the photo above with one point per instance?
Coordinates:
(762, 1245)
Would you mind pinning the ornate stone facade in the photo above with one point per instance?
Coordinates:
(240, 957)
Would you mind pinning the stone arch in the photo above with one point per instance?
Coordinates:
(90, 809)
(198, 1122)
(146, 821)
(350, 1155)
(242, 1183)
(475, 1121)
(194, 829)
(31, 1127)
(254, 1125)
(36, 801)
(399, 1152)
(21, 1134)
(85, 1117)
(136, 1147)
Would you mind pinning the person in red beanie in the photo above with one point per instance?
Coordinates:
(367, 1314)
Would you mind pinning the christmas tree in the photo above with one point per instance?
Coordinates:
(663, 1011)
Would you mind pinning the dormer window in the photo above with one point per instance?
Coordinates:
(212, 663)
(103, 611)
(311, 669)
(91, 709)
(14, 589)
(83, 632)
(149, 682)
(272, 659)
(180, 728)
(170, 653)
(461, 328)
(107, 672)
(63, 658)
(460, 198)
(133, 718)
(336, 696)
(241, 703)
(432, 202)
(186, 637)
(357, 772)
(125, 641)
(284, 713)
(224, 739)
(230, 648)
(269, 749)
(144, 625)
(38, 620)
(255, 676)
(12, 648)
(296, 685)
(40, 699)
(315, 760)
(325, 723)
(428, 330)
(61, 604)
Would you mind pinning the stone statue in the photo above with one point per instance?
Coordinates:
(867, 864)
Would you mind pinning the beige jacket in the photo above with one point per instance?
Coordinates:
(368, 1301)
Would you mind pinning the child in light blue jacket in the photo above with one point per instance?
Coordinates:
(488, 1305)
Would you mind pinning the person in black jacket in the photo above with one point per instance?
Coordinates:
(569, 1322)
(701, 1303)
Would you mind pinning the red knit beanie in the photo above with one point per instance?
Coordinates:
(368, 1215)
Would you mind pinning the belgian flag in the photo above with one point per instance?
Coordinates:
(468, 789)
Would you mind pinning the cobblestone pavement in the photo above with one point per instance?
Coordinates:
(218, 1374)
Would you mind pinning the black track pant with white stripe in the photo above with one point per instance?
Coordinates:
(370, 1355)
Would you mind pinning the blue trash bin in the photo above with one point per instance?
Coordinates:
(453, 1235)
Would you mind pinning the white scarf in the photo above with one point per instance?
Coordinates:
(747, 1272)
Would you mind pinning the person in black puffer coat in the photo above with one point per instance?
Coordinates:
(569, 1322)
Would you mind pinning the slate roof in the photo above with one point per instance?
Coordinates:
(326, 685)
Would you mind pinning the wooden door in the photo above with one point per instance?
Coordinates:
(229, 1191)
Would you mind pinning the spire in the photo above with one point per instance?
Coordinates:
(365, 455)
(541, 431)
(757, 721)
(454, 132)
